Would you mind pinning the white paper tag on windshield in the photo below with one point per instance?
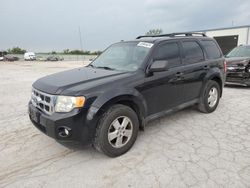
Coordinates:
(145, 44)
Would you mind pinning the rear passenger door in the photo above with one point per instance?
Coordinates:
(194, 69)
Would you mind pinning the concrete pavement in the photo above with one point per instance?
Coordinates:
(185, 149)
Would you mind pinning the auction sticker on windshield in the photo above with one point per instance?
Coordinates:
(145, 44)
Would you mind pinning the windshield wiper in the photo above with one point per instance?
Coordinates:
(106, 68)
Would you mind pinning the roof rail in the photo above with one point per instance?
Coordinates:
(173, 35)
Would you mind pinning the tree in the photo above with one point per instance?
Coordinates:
(80, 52)
(66, 51)
(96, 53)
(16, 50)
(154, 32)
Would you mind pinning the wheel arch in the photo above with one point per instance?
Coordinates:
(135, 102)
(219, 81)
(215, 75)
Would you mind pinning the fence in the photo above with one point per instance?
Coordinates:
(65, 57)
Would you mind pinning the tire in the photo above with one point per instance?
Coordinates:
(108, 138)
(206, 104)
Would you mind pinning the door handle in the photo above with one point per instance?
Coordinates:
(179, 74)
(205, 67)
(178, 77)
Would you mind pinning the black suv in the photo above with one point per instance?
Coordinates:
(238, 66)
(130, 83)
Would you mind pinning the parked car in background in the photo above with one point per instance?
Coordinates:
(54, 58)
(238, 66)
(125, 87)
(2, 54)
(10, 58)
(41, 58)
(29, 56)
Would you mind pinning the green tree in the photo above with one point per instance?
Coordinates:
(66, 51)
(76, 52)
(16, 50)
(154, 32)
(80, 52)
(96, 53)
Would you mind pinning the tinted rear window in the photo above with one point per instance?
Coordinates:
(193, 52)
(211, 48)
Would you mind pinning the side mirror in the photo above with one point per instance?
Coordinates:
(158, 66)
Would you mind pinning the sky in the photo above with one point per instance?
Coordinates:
(53, 25)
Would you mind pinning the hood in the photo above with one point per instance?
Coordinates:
(87, 77)
(237, 61)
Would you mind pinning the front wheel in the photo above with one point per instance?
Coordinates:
(210, 97)
(116, 131)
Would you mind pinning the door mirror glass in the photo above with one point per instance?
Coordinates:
(159, 65)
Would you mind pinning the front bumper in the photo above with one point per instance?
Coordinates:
(80, 130)
(242, 78)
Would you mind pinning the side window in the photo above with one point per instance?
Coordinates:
(211, 48)
(169, 52)
(193, 52)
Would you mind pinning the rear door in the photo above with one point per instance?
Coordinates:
(194, 69)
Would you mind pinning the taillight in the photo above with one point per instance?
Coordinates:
(225, 66)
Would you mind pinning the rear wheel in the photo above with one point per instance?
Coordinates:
(210, 97)
(116, 131)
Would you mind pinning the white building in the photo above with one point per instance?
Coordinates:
(230, 37)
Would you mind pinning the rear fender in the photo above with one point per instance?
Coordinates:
(213, 74)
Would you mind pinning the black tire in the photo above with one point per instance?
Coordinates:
(204, 105)
(101, 141)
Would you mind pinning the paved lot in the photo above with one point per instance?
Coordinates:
(185, 149)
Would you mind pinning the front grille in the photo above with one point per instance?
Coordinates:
(235, 69)
(43, 101)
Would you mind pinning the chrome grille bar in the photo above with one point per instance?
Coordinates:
(43, 101)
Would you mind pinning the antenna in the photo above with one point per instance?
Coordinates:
(80, 37)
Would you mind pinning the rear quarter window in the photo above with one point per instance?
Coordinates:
(211, 49)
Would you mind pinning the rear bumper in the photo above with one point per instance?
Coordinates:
(75, 122)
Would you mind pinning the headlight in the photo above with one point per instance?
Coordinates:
(66, 103)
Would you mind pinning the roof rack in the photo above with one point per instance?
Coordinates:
(173, 35)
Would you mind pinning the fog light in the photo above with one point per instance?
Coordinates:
(64, 132)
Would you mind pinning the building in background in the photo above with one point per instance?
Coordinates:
(230, 37)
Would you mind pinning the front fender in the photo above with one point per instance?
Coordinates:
(114, 96)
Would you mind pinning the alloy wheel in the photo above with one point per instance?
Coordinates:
(212, 97)
(120, 132)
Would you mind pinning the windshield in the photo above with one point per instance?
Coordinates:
(124, 56)
(240, 51)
